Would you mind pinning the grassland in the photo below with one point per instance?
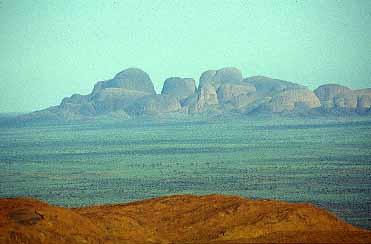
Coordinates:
(322, 161)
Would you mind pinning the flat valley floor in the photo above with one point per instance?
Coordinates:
(326, 162)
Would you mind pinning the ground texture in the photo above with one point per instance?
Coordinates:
(175, 219)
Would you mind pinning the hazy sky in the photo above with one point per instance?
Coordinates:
(52, 49)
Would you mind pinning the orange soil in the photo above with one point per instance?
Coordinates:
(175, 219)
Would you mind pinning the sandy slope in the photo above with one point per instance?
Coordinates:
(175, 219)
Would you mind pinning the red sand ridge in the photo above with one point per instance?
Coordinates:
(175, 219)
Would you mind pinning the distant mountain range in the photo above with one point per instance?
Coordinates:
(131, 94)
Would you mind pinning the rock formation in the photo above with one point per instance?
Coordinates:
(131, 94)
(228, 91)
(180, 88)
(337, 97)
(175, 219)
(206, 97)
(290, 99)
(108, 97)
(266, 87)
(216, 89)
(131, 79)
(221, 76)
(363, 100)
(333, 95)
(154, 105)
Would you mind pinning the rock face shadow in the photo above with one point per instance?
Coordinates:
(25, 216)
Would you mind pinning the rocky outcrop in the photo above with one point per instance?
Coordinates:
(229, 91)
(75, 99)
(363, 92)
(131, 79)
(221, 76)
(216, 88)
(154, 105)
(180, 88)
(290, 99)
(205, 98)
(207, 95)
(234, 96)
(333, 95)
(111, 97)
(267, 87)
(131, 93)
(175, 219)
(121, 92)
(363, 100)
(337, 97)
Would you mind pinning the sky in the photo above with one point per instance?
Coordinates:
(53, 49)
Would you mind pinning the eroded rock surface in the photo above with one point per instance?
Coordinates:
(221, 76)
(131, 94)
(180, 88)
(337, 97)
(132, 79)
(205, 98)
(175, 219)
(333, 95)
(288, 100)
(229, 91)
(267, 87)
(154, 105)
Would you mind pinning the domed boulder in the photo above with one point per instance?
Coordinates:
(329, 91)
(130, 79)
(179, 88)
(221, 76)
(336, 96)
(290, 99)
(121, 92)
(266, 86)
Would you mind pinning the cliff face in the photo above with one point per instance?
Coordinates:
(130, 93)
(175, 219)
(179, 88)
(218, 77)
(290, 99)
(336, 97)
